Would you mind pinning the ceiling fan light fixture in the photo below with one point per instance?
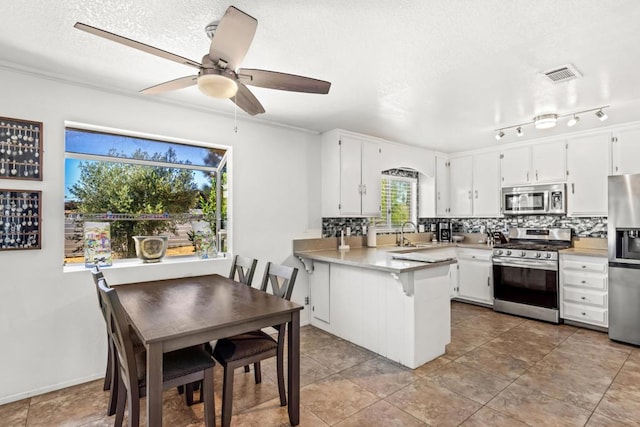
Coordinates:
(217, 85)
(545, 121)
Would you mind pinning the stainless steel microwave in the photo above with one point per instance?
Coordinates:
(535, 200)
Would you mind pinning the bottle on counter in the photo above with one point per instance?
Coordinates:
(371, 234)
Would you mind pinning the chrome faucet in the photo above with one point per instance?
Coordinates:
(415, 228)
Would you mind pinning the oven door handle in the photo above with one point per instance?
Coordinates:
(537, 265)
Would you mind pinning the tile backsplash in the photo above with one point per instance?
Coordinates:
(582, 227)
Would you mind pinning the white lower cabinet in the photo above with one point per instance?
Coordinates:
(584, 290)
(475, 275)
(319, 292)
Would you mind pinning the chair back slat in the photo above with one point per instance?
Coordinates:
(243, 269)
(120, 332)
(281, 277)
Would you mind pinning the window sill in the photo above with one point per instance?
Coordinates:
(136, 263)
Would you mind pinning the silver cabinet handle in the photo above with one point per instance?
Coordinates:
(584, 281)
(583, 298)
(489, 281)
(584, 266)
(536, 175)
(583, 313)
(364, 188)
(476, 194)
(527, 176)
(470, 194)
(573, 188)
(438, 195)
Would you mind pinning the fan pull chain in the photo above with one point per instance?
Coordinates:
(235, 114)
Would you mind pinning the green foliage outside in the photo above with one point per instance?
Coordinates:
(135, 189)
(395, 203)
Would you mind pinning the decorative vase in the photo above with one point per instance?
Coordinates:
(151, 248)
(204, 240)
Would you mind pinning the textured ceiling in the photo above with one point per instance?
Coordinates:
(439, 73)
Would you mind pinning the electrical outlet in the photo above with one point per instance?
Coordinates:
(364, 230)
(348, 233)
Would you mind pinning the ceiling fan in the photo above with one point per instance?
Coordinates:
(218, 74)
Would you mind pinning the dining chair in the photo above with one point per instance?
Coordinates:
(110, 380)
(179, 367)
(242, 269)
(252, 347)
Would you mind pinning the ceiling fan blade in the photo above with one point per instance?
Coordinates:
(282, 81)
(232, 38)
(175, 84)
(137, 45)
(247, 101)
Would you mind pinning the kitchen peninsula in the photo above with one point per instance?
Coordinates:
(399, 309)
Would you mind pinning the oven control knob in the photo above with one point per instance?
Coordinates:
(538, 255)
(499, 252)
(523, 253)
(549, 255)
(508, 252)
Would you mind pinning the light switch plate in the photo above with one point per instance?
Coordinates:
(421, 228)
(348, 233)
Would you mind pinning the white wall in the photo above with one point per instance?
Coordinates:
(51, 331)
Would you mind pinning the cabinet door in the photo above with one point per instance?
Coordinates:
(474, 281)
(442, 187)
(319, 285)
(350, 175)
(371, 177)
(626, 152)
(515, 166)
(587, 171)
(486, 184)
(461, 182)
(549, 162)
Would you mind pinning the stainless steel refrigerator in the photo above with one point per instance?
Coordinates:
(624, 258)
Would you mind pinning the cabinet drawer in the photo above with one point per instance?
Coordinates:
(591, 281)
(476, 254)
(592, 267)
(583, 296)
(580, 313)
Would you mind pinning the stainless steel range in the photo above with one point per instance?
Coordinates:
(525, 272)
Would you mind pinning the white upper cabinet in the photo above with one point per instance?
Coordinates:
(486, 184)
(351, 175)
(536, 164)
(475, 185)
(442, 187)
(461, 186)
(626, 151)
(588, 166)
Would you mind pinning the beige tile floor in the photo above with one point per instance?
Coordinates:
(499, 370)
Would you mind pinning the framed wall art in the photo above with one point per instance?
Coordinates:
(20, 219)
(20, 149)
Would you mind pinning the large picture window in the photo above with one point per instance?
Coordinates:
(398, 199)
(142, 186)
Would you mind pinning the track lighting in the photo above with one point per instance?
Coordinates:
(573, 121)
(601, 115)
(545, 121)
(549, 120)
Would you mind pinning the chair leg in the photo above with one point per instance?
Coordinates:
(188, 394)
(246, 368)
(280, 368)
(134, 408)
(257, 372)
(122, 400)
(180, 389)
(227, 396)
(206, 394)
(108, 375)
(115, 389)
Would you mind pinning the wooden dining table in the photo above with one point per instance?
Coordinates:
(178, 313)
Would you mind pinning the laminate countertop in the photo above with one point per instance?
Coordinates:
(380, 258)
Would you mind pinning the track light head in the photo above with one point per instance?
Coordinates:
(499, 135)
(601, 115)
(519, 131)
(573, 121)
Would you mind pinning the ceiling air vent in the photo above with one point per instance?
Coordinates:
(563, 74)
